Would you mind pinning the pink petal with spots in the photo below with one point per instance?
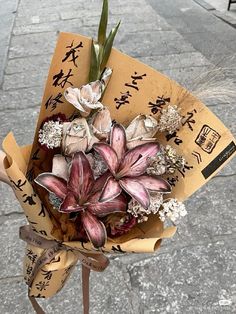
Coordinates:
(154, 183)
(136, 190)
(108, 154)
(70, 204)
(94, 228)
(118, 140)
(101, 209)
(81, 176)
(53, 184)
(111, 190)
(135, 161)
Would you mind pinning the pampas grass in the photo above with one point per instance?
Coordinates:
(215, 85)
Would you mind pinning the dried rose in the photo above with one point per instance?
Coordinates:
(86, 97)
(119, 223)
(127, 169)
(101, 123)
(77, 136)
(81, 193)
(141, 130)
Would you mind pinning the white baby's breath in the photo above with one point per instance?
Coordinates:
(51, 134)
(170, 119)
(136, 210)
(172, 209)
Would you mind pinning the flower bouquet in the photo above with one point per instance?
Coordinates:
(118, 147)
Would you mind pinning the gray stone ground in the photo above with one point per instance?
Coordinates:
(195, 272)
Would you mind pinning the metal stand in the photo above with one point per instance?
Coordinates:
(230, 2)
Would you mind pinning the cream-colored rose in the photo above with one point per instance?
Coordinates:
(101, 123)
(141, 130)
(60, 166)
(77, 136)
(86, 97)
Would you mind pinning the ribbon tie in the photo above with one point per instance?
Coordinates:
(90, 261)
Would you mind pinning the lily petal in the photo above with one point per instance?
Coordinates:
(72, 95)
(154, 183)
(70, 204)
(108, 154)
(81, 176)
(94, 228)
(111, 190)
(53, 184)
(136, 190)
(102, 209)
(100, 182)
(118, 140)
(135, 161)
(136, 142)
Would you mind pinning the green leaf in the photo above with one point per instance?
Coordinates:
(102, 30)
(94, 62)
(108, 46)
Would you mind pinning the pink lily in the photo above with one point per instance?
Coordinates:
(127, 168)
(81, 193)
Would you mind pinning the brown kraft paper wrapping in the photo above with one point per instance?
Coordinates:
(134, 89)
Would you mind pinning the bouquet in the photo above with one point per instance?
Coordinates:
(118, 147)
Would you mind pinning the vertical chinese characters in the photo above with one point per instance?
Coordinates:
(124, 99)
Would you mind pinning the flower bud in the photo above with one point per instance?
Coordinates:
(86, 97)
(141, 130)
(101, 124)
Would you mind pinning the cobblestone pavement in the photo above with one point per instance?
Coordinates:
(196, 271)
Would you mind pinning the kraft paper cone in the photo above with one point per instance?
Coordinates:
(134, 89)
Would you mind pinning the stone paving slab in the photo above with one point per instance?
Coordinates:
(26, 97)
(176, 61)
(199, 27)
(7, 16)
(32, 44)
(24, 128)
(184, 288)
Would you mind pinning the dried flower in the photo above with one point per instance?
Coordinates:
(77, 136)
(50, 134)
(101, 123)
(127, 168)
(157, 164)
(141, 130)
(172, 209)
(81, 193)
(136, 210)
(86, 97)
(170, 119)
(119, 223)
(166, 161)
(97, 164)
(173, 160)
